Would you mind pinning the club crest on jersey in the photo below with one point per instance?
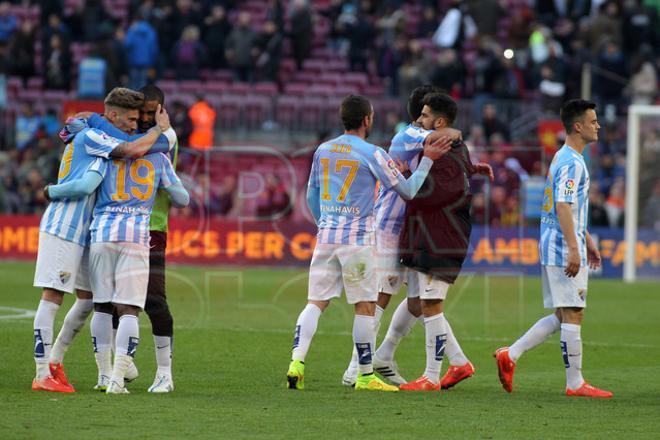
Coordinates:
(65, 277)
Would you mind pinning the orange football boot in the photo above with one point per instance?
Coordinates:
(505, 367)
(49, 383)
(57, 371)
(455, 374)
(587, 390)
(421, 384)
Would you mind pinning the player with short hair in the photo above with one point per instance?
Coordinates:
(156, 306)
(434, 243)
(64, 235)
(119, 251)
(340, 195)
(566, 248)
(390, 214)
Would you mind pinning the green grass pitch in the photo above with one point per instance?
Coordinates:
(233, 333)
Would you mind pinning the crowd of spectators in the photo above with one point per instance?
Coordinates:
(484, 50)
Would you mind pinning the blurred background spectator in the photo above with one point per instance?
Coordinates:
(272, 72)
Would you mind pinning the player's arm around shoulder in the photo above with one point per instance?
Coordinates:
(81, 187)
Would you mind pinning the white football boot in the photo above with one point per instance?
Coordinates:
(163, 383)
(389, 371)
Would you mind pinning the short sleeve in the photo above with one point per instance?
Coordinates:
(384, 169)
(98, 143)
(168, 176)
(414, 137)
(566, 181)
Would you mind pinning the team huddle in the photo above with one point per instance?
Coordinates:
(418, 230)
(95, 239)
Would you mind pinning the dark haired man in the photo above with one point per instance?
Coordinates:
(405, 146)
(340, 192)
(62, 262)
(156, 305)
(566, 248)
(434, 243)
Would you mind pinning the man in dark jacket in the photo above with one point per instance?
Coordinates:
(434, 243)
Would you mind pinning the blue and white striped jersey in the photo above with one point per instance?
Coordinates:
(126, 198)
(390, 207)
(70, 218)
(346, 169)
(567, 181)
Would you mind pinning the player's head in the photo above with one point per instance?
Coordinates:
(122, 108)
(152, 97)
(356, 113)
(579, 119)
(439, 111)
(416, 97)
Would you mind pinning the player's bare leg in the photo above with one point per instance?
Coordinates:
(128, 338)
(73, 323)
(44, 321)
(571, 348)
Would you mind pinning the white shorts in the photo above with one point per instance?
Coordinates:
(337, 267)
(425, 286)
(82, 280)
(58, 263)
(390, 271)
(119, 273)
(562, 291)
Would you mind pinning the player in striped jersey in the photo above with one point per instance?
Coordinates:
(156, 305)
(566, 249)
(340, 195)
(64, 234)
(390, 214)
(119, 251)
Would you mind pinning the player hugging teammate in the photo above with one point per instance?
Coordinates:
(116, 223)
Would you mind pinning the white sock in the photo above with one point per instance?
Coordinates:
(571, 348)
(436, 338)
(363, 337)
(402, 322)
(306, 325)
(163, 347)
(73, 323)
(377, 317)
(101, 328)
(453, 349)
(128, 335)
(536, 334)
(44, 320)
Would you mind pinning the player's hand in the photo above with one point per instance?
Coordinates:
(485, 170)
(593, 255)
(573, 266)
(438, 148)
(401, 166)
(45, 192)
(162, 118)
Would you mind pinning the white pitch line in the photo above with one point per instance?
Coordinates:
(18, 313)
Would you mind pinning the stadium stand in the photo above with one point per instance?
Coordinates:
(524, 63)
